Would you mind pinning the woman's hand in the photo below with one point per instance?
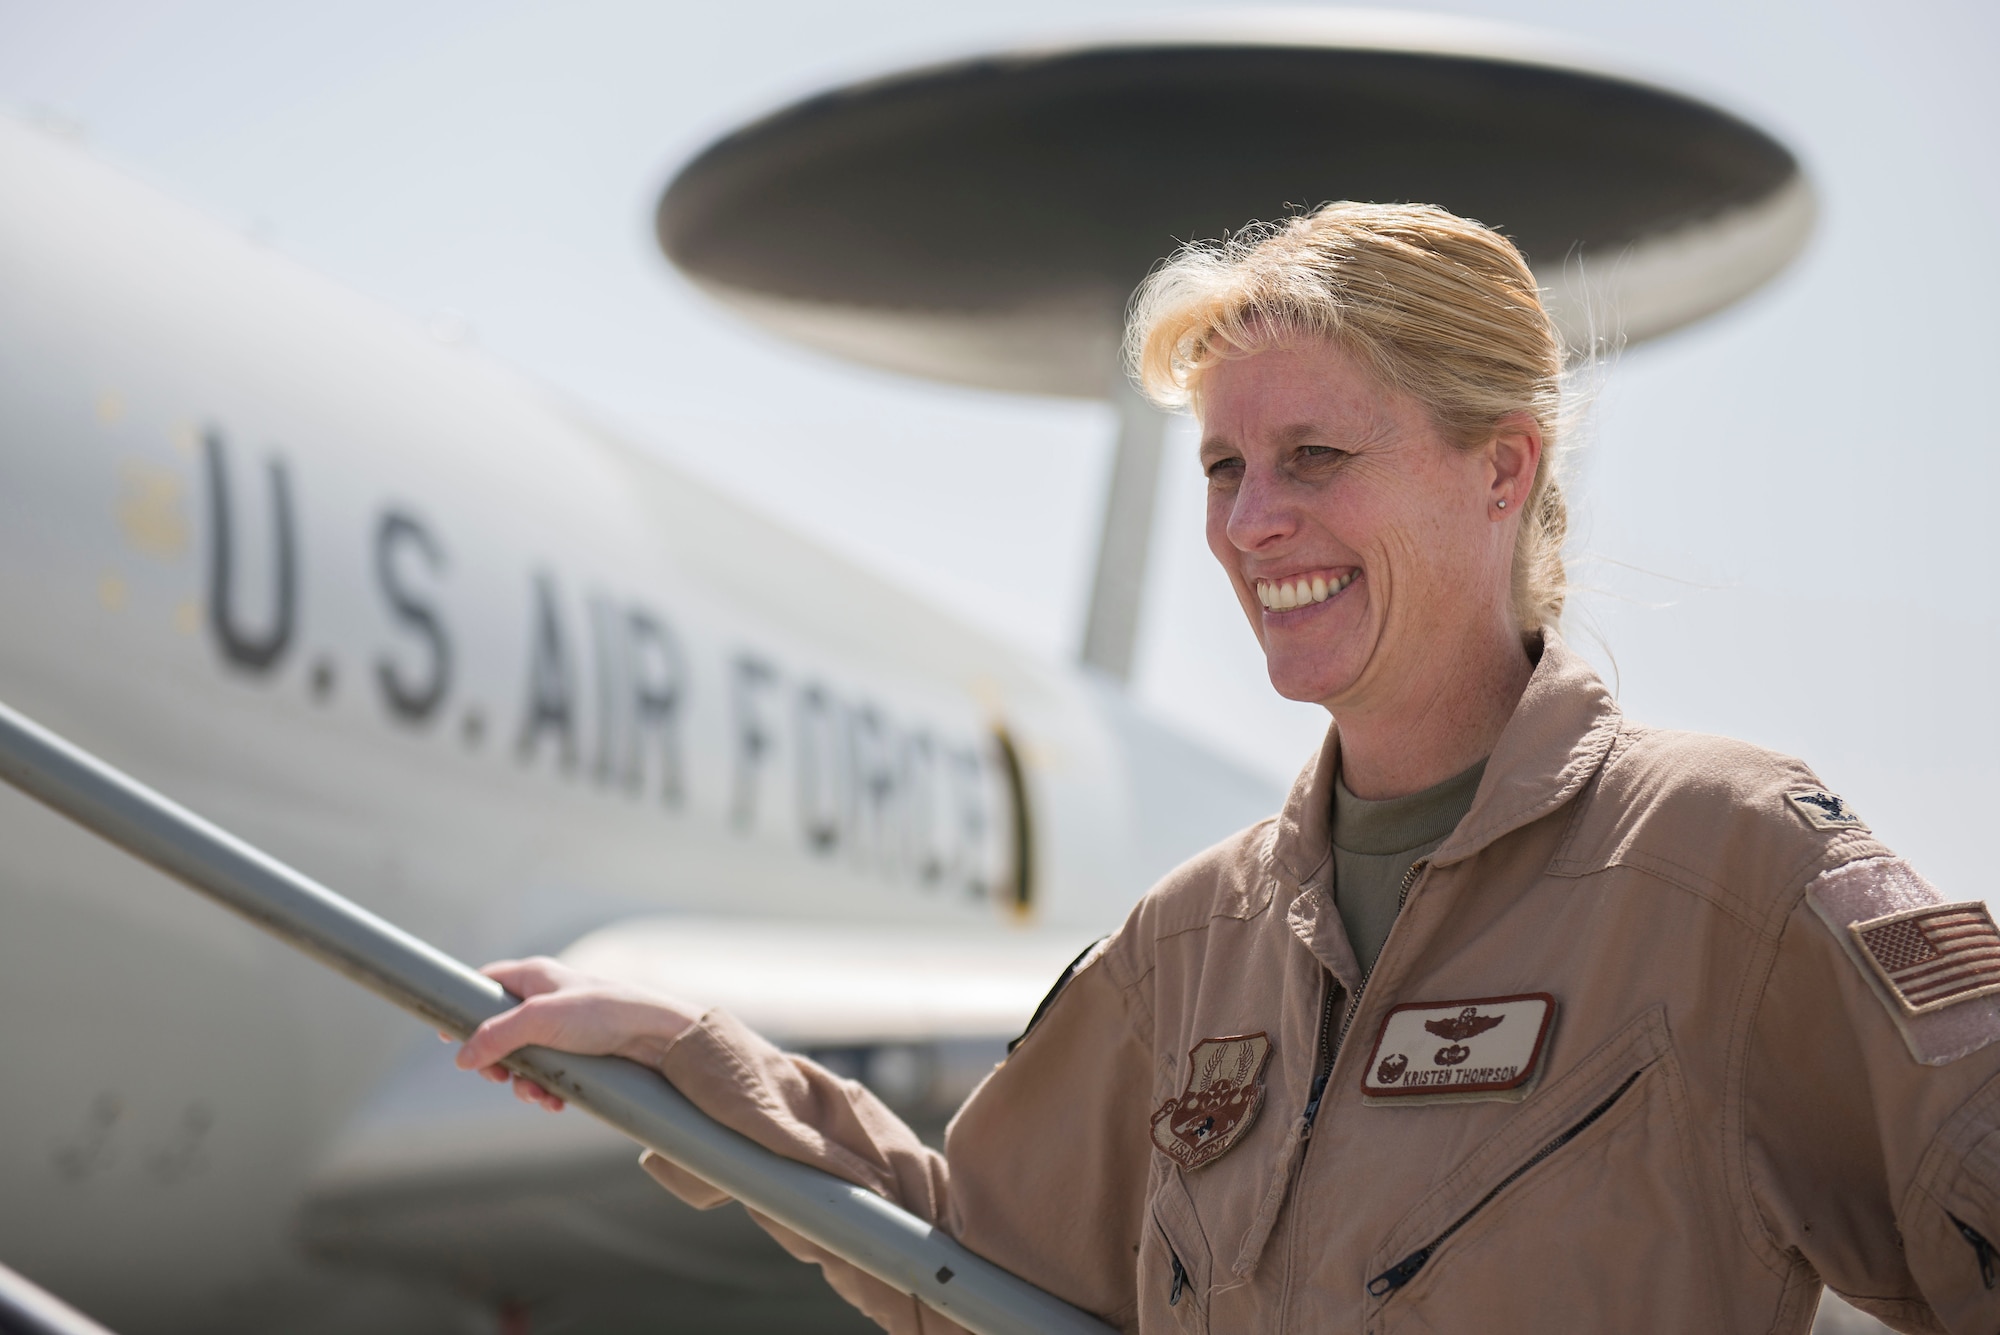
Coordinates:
(571, 1012)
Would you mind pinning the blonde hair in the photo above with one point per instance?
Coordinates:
(1437, 306)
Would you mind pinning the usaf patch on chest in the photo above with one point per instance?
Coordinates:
(1459, 1051)
(1824, 810)
(1224, 1094)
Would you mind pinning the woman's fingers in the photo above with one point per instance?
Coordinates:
(528, 1023)
(530, 977)
(561, 1008)
(571, 1012)
(528, 1091)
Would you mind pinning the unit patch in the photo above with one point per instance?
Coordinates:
(1824, 810)
(1931, 957)
(1225, 1092)
(1487, 1048)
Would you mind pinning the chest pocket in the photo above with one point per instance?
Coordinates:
(1176, 1266)
(1582, 1215)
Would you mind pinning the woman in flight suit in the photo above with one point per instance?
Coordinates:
(1519, 1016)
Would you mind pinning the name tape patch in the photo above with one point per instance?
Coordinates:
(1933, 956)
(1488, 1047)
(1824, 810)
(1225, 1092)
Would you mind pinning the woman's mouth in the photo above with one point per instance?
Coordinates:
(1282, 595)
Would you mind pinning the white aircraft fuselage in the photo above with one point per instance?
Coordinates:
(413, 627)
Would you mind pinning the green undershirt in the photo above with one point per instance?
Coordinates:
(1376, 843)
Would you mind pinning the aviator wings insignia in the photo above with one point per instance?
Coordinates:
(1468, 1023)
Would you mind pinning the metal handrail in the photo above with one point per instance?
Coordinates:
(901, 1250)
(26, 1308)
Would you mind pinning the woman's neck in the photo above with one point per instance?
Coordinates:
(1434, 728)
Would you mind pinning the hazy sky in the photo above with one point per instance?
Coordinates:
(1784, 512)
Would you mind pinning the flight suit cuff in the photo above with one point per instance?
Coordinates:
(720, 1064)
(687, 1070)
(789, 1106)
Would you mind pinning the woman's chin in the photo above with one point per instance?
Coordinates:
(1310, 681)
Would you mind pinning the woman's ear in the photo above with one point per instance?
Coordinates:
(1513, 453)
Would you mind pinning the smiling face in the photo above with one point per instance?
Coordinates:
(1370, 553)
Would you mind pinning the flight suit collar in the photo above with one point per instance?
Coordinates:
(1301, 855)
(1559, 735)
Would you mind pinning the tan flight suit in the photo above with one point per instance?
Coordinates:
(1730, 1104)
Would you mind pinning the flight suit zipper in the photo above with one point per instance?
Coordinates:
(1981, 1248)
(1329, 1041)
(1405, 1270)
(1180, 1271)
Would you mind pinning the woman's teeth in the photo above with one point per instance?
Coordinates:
(1279, 597)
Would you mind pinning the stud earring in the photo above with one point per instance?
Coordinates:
(1503, 502)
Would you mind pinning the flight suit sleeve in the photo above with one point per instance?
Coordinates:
(1043, 1171)
(1872, 1108)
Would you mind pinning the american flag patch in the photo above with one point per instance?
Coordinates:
(1933, 956)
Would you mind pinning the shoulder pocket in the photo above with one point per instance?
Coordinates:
(1581, 1215)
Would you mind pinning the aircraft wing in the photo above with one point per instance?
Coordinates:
(446, 1177)
(831, 984)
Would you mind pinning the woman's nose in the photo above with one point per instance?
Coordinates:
(1259, 513)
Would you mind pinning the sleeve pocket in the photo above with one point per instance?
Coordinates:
(1950, 1219)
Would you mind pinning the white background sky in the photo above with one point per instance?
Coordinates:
(1786, 513)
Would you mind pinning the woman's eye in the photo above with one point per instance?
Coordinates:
(1311, 461)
